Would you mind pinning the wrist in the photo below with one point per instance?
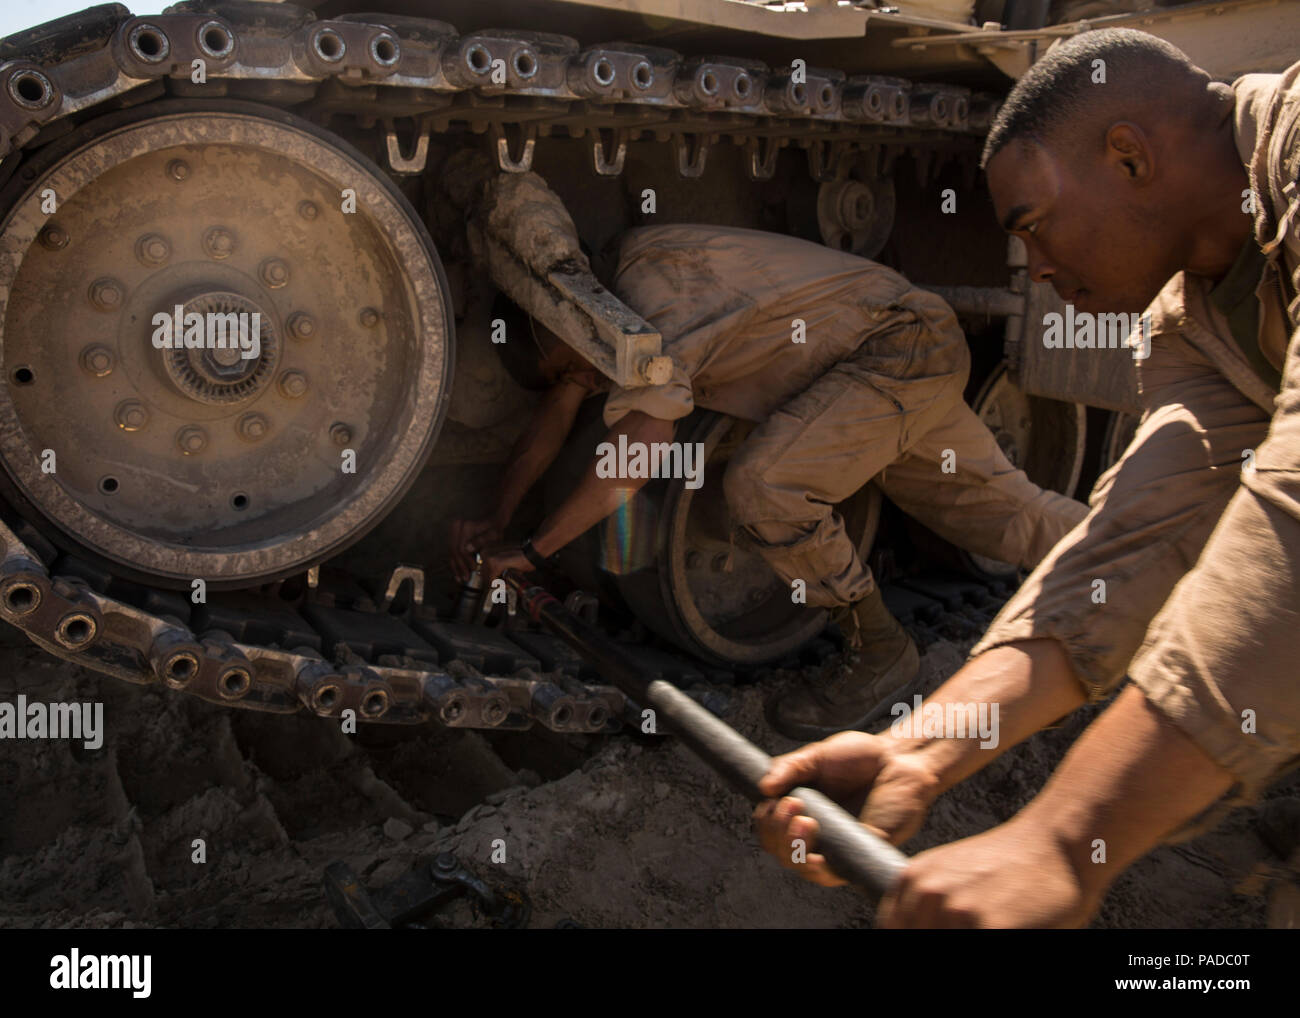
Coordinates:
(935, 765)
(535, 557)
(544, 543)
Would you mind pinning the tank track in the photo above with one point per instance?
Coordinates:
(255, 650)
(516, 85)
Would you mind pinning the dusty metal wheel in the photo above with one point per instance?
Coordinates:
(856, 215)
(223, 463)
(1043, 437)
(738, 616)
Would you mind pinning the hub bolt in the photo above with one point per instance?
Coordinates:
(301, 325)
(98, 360)
(252, 427)
(131, 415)
(369, 317)
(178, 169)
(218, 242)
(152, 249)
(293, 384)
(192, 439)
(308, 209)
(341, 434)
(54, 237)
(274, 273)
(694, 560)
(106, 294)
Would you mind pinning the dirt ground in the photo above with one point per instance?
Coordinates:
(622, 831)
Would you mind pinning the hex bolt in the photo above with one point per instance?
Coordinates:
(274, 273)
(131, 415)
(301, 325)
(308, 209)
(98, 360)
(252, 427)
(494, 712)
(369, 317)
(54, 237)
(218, 242)
(152, 249)
(657, 370)
(192, 439)
(694, 560)
(341, 435)
(178, 169)
(293, 384)
(107, 294)
(719, 562)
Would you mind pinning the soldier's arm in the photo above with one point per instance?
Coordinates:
(534, 451)
(596, 497)
(538, 446)
(1128, 782)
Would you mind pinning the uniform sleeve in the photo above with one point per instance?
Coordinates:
(668, 402)
(1222, 660)
(1151, 514)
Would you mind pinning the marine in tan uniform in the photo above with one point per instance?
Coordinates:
(851, 373)
(1157, 185)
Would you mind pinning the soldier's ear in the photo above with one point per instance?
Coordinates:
(1128, 149)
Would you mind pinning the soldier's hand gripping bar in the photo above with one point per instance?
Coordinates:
(853, 852)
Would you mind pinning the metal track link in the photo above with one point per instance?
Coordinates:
(383, 670)
(530, 82)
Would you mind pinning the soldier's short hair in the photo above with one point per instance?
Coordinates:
(1061, 89)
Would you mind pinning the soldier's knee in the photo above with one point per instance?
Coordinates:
(744, 488)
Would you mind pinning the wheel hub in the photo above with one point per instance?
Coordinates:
(223, 372)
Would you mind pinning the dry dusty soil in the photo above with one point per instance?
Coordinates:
(622, 831)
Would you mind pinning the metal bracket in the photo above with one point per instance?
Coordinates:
(404, 164)
(507, 162)
(760, 157)
(823, 161)
(607, 166)
(407, 903)
(692, 150)
(400, 575)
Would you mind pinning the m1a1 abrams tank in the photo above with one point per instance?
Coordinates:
(262, 525)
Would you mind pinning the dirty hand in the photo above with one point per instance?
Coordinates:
(498, 558)
(871, 776)
(468, 537)
(1014, 876)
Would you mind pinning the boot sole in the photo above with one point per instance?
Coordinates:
(814, 733)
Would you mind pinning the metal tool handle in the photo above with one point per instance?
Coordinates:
(853, 852)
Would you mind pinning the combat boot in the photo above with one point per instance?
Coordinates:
(881, 668)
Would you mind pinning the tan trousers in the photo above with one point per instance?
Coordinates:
(893, 412)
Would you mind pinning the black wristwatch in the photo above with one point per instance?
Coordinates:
(533, 555)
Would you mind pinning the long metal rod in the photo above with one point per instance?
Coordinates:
(853, 852)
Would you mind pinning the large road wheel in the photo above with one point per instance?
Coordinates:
(729, 613)
(173, 464)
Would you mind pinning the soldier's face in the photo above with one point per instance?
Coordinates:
(1091, 230)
